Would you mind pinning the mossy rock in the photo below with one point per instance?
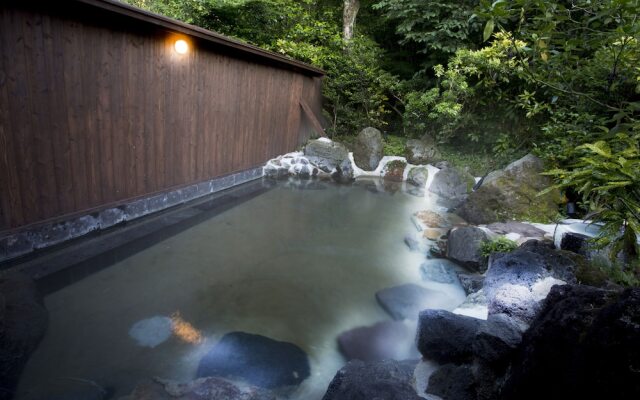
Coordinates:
(512, 194)
(394, 171)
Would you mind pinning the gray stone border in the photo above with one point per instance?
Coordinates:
(47, 235)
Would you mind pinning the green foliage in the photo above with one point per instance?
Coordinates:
(440, 27)
(607, 175)
(498, 245)
(394, 145)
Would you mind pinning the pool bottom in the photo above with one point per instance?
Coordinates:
(300, 266)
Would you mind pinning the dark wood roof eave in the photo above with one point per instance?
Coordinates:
(201, 33)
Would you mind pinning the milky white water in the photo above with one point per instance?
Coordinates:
(294, 265)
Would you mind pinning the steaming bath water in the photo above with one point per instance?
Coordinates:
(295, 265)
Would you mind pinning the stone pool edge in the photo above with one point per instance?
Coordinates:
(25, 242)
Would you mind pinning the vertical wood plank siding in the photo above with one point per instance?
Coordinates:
(96, 108)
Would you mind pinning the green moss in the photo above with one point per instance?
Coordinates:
(498, 245)
(394, 145)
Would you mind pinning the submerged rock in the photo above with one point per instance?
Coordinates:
(257, 359)
(406, 301)
(199, 389)
(368, 149)
(587, 341)
(422, 151)
(438, 270)
(388, 380)
(152, 331)
(386, 340)
(512, 193)
(464, 245)
(23, 322)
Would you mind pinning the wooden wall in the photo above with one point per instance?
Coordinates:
(97, 108)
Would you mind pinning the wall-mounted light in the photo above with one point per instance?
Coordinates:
(181, 46)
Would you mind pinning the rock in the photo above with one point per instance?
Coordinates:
(368, 149)
(512, 193)
(455, 382)
(325, 154)
(418, 176)
(421, 151)
(259, 360)
(23, 322)
(464, 245)
(475, 305)
(151, 332)
(516, 282)
(496, 341)
(438, 270)
(471, 283)
(428, 219)
(521, 228)
(388, 380)
(406, 301)
(452, 184)
(394, 171)
(434, 234)
(417, 245)
(343, 172)
(445, 337)
(386, 340)
(200, 389)
(576, 243)
(586, 340)
(442, 164)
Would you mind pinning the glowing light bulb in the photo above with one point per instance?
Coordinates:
(181, 46)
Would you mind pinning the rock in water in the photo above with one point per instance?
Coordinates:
(464, 245)
(385, 380)
(406, 301)
(422, 151)
(438, 270)
(512, 193)
(199, 389)
(259, 360)
(418, 176)
(368, 149)
(325, 154)
(23, 322)
(586, 341)
(452, 184)
(386, 340)
(152, 331)
(445, 337)
(394, 171)
(343, 172)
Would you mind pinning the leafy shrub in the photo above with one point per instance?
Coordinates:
(394, 145)
(498, 245)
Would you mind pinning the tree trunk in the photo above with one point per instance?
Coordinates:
(349, 13)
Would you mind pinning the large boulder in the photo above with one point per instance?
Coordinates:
(259, 360)
(445, 337)
(517, 282)
(386, 340)
(422, 151)
(452, 184)
(455, 382)
(512, 193)
(368, 149)
(343, 173)
(388, 380)
(325, 154)
(199, 389)
(23, 322)
(586, 341)
(406, 301)
(463, 246)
